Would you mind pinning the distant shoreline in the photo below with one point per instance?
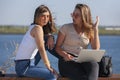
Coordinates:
(23, 29)
(24, 33)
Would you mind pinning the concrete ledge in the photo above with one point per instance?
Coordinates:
(113, 77)
(14, 77)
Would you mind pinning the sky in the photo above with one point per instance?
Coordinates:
(21, 12)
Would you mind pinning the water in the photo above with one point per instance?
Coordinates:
(9, 43)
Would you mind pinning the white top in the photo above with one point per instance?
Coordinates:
(28, 48)
(73, 42)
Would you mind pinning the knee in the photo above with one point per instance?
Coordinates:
(95, 65)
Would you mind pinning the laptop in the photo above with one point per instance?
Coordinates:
(87, 55)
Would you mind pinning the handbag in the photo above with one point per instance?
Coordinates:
(2, 73)
(105, 67)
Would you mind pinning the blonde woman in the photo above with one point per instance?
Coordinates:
(73, 37)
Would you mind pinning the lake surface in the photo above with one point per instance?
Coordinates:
(9, 44)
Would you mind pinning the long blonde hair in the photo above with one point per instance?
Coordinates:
(86, 19)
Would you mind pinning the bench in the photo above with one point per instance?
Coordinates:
(14, 77)
(113, 77)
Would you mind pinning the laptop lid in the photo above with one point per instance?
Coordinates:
(87, 55)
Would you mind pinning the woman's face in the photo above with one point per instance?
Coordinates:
(76, 16)
(44, 18)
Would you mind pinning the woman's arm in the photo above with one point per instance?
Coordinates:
(95, 42)
(37, 33)
(59, 50)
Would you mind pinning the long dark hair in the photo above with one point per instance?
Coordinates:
(50, 26)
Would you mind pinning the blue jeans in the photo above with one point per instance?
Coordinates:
(23, 68)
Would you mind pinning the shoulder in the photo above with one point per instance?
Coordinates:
(33, 27)
(37, 29)
(67, 26)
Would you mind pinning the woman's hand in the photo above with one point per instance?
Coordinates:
(50, 69)
(53, 71)
(56, 73)
(95, 26)
(68, 57)
(95, 42)
(50, 42)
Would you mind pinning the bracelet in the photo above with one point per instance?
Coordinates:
(45, 63)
